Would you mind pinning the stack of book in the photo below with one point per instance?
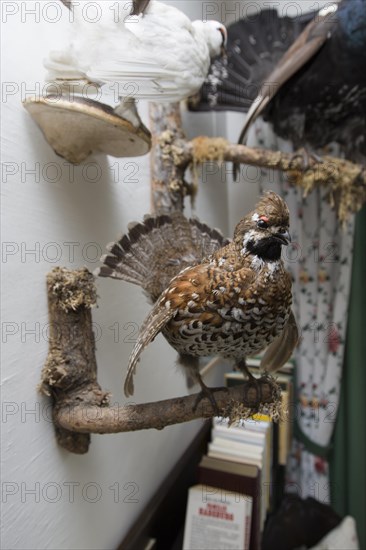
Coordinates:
(236, 472)
(240, 469)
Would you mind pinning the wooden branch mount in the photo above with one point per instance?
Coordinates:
(70, 372)
(344, 180)
(168, 186)
(81, 407)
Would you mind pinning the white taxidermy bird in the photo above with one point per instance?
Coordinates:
(152, 51)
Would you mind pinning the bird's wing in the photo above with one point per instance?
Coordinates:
(160, 57)
(194, 290)
(154, 55)
(208, 293)
(302, 50)
(153, 324)
(144, 79)
(93, 32)
(280, 350)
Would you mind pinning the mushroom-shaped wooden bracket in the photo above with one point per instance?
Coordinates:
(81, 407)
(77, 127)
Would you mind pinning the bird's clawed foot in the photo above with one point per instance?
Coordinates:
(251, 380)
(208, 393)
(242, 366)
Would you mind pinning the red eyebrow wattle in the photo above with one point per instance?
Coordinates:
(264, 218)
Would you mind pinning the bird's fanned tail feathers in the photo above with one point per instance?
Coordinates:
(254, 47)
(157, 249)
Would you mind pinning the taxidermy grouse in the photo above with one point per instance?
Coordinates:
(154, 52)
(211, 296)
(306, 75)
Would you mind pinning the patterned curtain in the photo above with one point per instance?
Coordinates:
(320, 261)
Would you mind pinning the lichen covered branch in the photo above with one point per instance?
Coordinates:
(69, 375)
(168, 186)
(237, 402)
(345, 182)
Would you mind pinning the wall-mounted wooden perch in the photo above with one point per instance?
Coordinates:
(81, 407)
(172, 154)
(344, 181)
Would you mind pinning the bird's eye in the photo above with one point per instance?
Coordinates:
(262, 224)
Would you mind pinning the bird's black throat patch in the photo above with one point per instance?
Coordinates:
(268, 249)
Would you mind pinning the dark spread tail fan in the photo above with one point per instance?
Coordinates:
(254, 48)
(156, 250)
(302, 50)
(264, 52)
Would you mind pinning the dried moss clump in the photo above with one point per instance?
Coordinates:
(73, 288)
(237, 411)
(208, 149)
(344, 181)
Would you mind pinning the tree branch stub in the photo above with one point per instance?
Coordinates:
(345, 181)
(70, 372)
(167, 177)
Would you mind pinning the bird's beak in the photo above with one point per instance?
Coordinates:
(284, 238)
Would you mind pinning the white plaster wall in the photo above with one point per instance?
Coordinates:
(60, 215)
(52, 499)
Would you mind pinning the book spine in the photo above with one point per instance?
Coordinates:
(248, 521)
(239, 485)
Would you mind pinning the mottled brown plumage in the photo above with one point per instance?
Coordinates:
(212, 297)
